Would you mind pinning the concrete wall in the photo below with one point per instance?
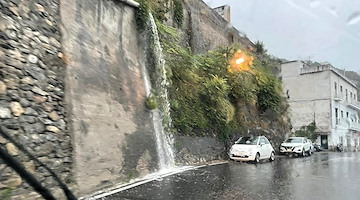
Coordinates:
(113, 132)
(305, 86)
(309, 96)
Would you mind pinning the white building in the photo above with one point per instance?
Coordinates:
(323, 95)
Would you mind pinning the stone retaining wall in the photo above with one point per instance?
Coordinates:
(32, 107)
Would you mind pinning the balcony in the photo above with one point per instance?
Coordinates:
(354, 104)
(346, 123)
(338, 97)
(315, 69)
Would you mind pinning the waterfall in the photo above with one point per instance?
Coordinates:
(160, 116)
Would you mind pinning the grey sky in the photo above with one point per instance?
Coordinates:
(319, 30)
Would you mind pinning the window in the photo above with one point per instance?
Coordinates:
(335, 84)
(351, 95)
(336, 116)
(266, 141)
(347, 114)
(340, 88)
(342, 114)
(262, 141)
(248, 140)
(346, 94)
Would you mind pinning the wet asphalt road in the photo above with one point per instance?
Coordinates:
(325, 175)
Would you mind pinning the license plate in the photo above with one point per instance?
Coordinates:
(289, 150)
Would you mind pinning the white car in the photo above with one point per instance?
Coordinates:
(252, 148)
(296, 145)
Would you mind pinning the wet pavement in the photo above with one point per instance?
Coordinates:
(324, 175)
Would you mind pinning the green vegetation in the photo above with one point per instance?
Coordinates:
(142, 14)
(151, 103)
(178, 13)
(131, 174)
(307, 131)
(209, 94)
(159, 8)
(208, 99)
(5, 193)
(259, 48)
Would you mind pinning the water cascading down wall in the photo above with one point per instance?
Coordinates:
(106, 89)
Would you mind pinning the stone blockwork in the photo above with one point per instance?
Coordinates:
(32, 107)
(191, 150)
(207, 30)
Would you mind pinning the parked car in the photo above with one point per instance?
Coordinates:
(296, 145)
(252, 148)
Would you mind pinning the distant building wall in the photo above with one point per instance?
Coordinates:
(207, 30)
(224, 12)
(308, 96)
(320, 93)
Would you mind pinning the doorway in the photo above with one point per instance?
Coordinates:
(324, 141)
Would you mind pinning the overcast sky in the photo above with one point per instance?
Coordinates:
(319, 30)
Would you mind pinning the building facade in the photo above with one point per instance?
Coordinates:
(223, 11)
(321, 94)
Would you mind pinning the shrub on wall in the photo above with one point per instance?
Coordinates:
(142, 14)
(178, 13)
(151, 103)
(208, 95)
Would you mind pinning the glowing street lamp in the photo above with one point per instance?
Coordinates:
(240, 62)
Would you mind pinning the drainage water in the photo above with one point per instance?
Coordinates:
(164, 140)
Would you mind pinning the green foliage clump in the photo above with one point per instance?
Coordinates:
(307, 131)
(151, 103)
(5, 193)
(159, 8)
(142, 14)
(208, 99)
(269, 92)
(260, 48)
(178, 13)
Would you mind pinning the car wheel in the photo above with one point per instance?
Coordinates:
(310, 152)
(272, 156)
(303, 153)
(257, 158)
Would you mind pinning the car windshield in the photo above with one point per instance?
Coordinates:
(294, 140)
(248, 140)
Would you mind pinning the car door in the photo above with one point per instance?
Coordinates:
(264, 148)
(268, 146)
(306, 144)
